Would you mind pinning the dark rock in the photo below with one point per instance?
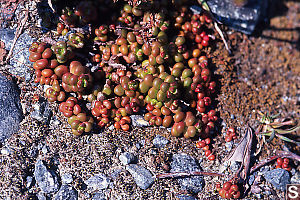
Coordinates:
(142, 176)
(185, 197)
(278, 178)
(127, 158)
(10, 108)
(186, 163)
(19, 62)
(160, 141)
(241, 18)
(97, 182)
(42, 111)
(66, 192)
(46, 179)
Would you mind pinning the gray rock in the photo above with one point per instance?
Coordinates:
(10, 108)
(67, 178)
(160, 141)
(127, 158)
(296, 178)
(138, 120)
(185, 197)
(99, 196)
(242, 18)
(66, 192)
(19, 62)
(142, 176)
(186, 163)
(46, 179)
(42, 112)
(97, 182)
(278, 178)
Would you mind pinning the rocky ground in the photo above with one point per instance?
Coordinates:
(43, 160)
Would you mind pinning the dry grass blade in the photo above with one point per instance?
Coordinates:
(279, 154)
(186, 174)
(242, 154)
(207, 9)
(17, 34)
(51, 6)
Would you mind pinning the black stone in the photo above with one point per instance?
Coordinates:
(10, 108)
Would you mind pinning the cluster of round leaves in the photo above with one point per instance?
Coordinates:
(283, 163)
(204, 144)
(229, 190)
(230, 134)
(149, 58)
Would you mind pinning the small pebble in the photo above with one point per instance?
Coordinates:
(67, 178)
(28, 181)
(127, 158)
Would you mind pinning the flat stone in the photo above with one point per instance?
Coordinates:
(10, 108)
(278, 178)
(160, 141)
(66, 192)
(19, 62)
(46, 179)
(186, 163)
(127, 158)
(142, 176)
(97, 182)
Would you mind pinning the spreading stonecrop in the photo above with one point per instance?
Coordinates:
(147, 58)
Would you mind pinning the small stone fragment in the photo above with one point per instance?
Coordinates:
(99, 196)
(185, 197)
(138, 120)
(66, 192)
(160, 141)
(29, 180)
(47, 180)
(278, 178)
(127, 158)
(67, 178)
(97, 182)
(296, 178)
(142, 176)
(186, 163)
(42, 112)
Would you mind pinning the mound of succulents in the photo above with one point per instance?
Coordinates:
(147, 58)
